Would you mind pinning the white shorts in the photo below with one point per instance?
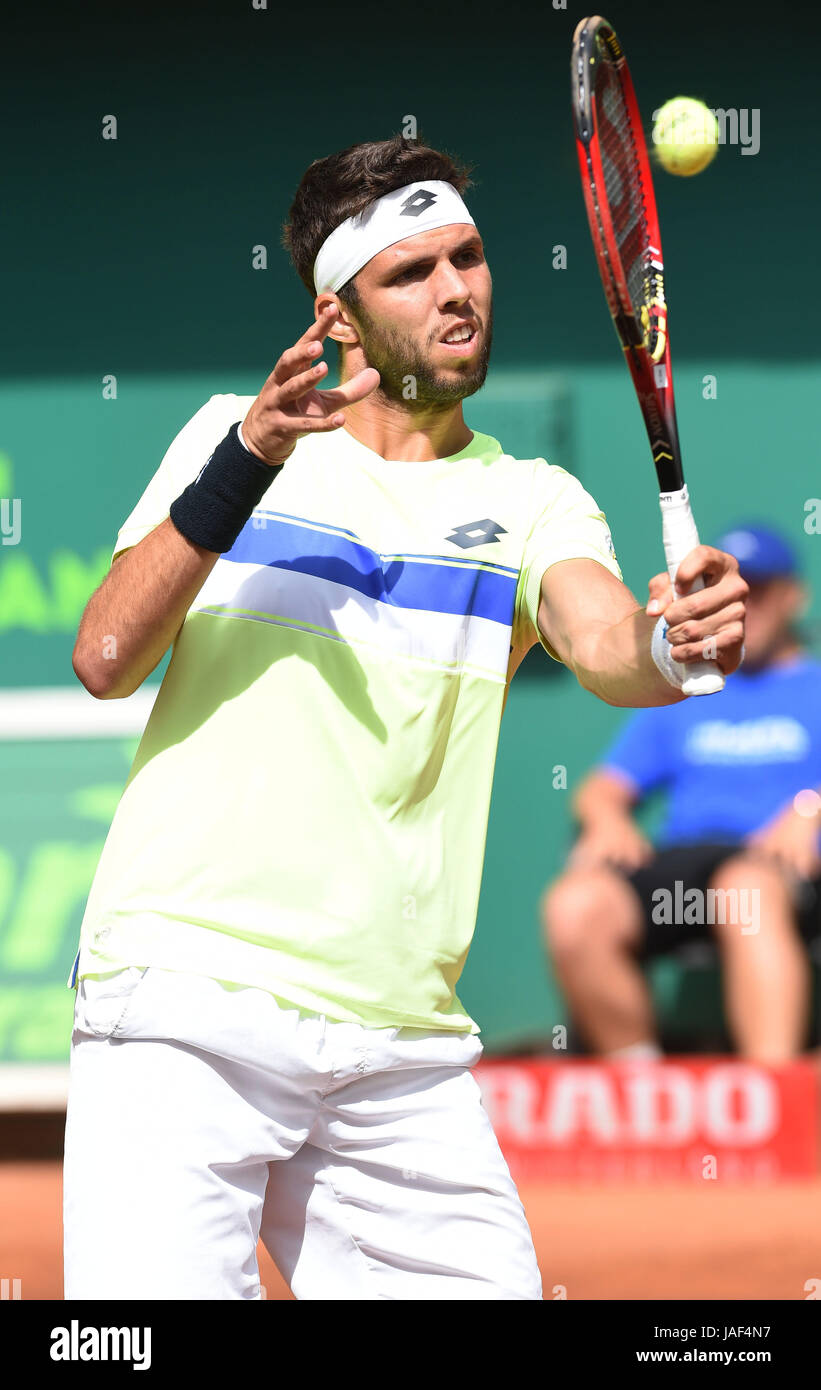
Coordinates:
(203, 1116)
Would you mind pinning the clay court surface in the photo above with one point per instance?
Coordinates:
(668, 1241)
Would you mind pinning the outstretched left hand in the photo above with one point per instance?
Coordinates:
(707, 625)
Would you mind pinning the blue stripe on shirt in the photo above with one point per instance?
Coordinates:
(436, 586)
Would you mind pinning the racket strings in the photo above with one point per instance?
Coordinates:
(626, 198)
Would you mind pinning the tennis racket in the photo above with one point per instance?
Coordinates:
(621, 210)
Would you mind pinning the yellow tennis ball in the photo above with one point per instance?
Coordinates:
(685, 135)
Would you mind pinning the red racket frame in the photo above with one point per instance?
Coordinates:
(653, 379)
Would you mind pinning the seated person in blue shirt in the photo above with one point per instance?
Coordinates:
(742, 770)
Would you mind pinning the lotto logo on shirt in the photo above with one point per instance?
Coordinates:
(774, 739)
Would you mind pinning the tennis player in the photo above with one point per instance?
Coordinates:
(268, 1040)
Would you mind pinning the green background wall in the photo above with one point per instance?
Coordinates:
(133, 258)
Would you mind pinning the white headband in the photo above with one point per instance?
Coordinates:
(418, 207)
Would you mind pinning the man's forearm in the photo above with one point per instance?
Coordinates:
(131, 620)
(615, 663)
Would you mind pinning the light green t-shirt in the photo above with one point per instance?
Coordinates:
(307, 809)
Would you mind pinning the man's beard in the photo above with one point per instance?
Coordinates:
(408, 379)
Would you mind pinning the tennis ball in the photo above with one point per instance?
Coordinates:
(685, 135)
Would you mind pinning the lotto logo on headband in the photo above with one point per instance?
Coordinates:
(417, 202)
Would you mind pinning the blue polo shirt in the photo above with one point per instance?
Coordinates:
(732, 761)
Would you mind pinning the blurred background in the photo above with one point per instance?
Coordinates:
(131, 295)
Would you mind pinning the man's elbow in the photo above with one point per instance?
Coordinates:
(588, 664)
(590, 679)
(88, 682)
(596, 688)
(96, 680)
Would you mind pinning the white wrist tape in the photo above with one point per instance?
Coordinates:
(674, 672)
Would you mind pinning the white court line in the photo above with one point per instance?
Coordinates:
(66, 712)
(32, 1086)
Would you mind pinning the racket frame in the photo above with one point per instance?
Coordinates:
(650, 366)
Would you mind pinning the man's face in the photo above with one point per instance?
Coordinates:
(772, 606)
(410, 296)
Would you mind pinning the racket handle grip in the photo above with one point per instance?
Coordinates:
(680, 536)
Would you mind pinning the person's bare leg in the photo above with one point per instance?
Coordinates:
(766, 974)
(592, 921)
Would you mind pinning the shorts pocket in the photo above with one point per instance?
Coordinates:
(103, 1004)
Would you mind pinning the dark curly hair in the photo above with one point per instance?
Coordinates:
(342, 185)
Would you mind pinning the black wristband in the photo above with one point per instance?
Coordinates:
(213, 509)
